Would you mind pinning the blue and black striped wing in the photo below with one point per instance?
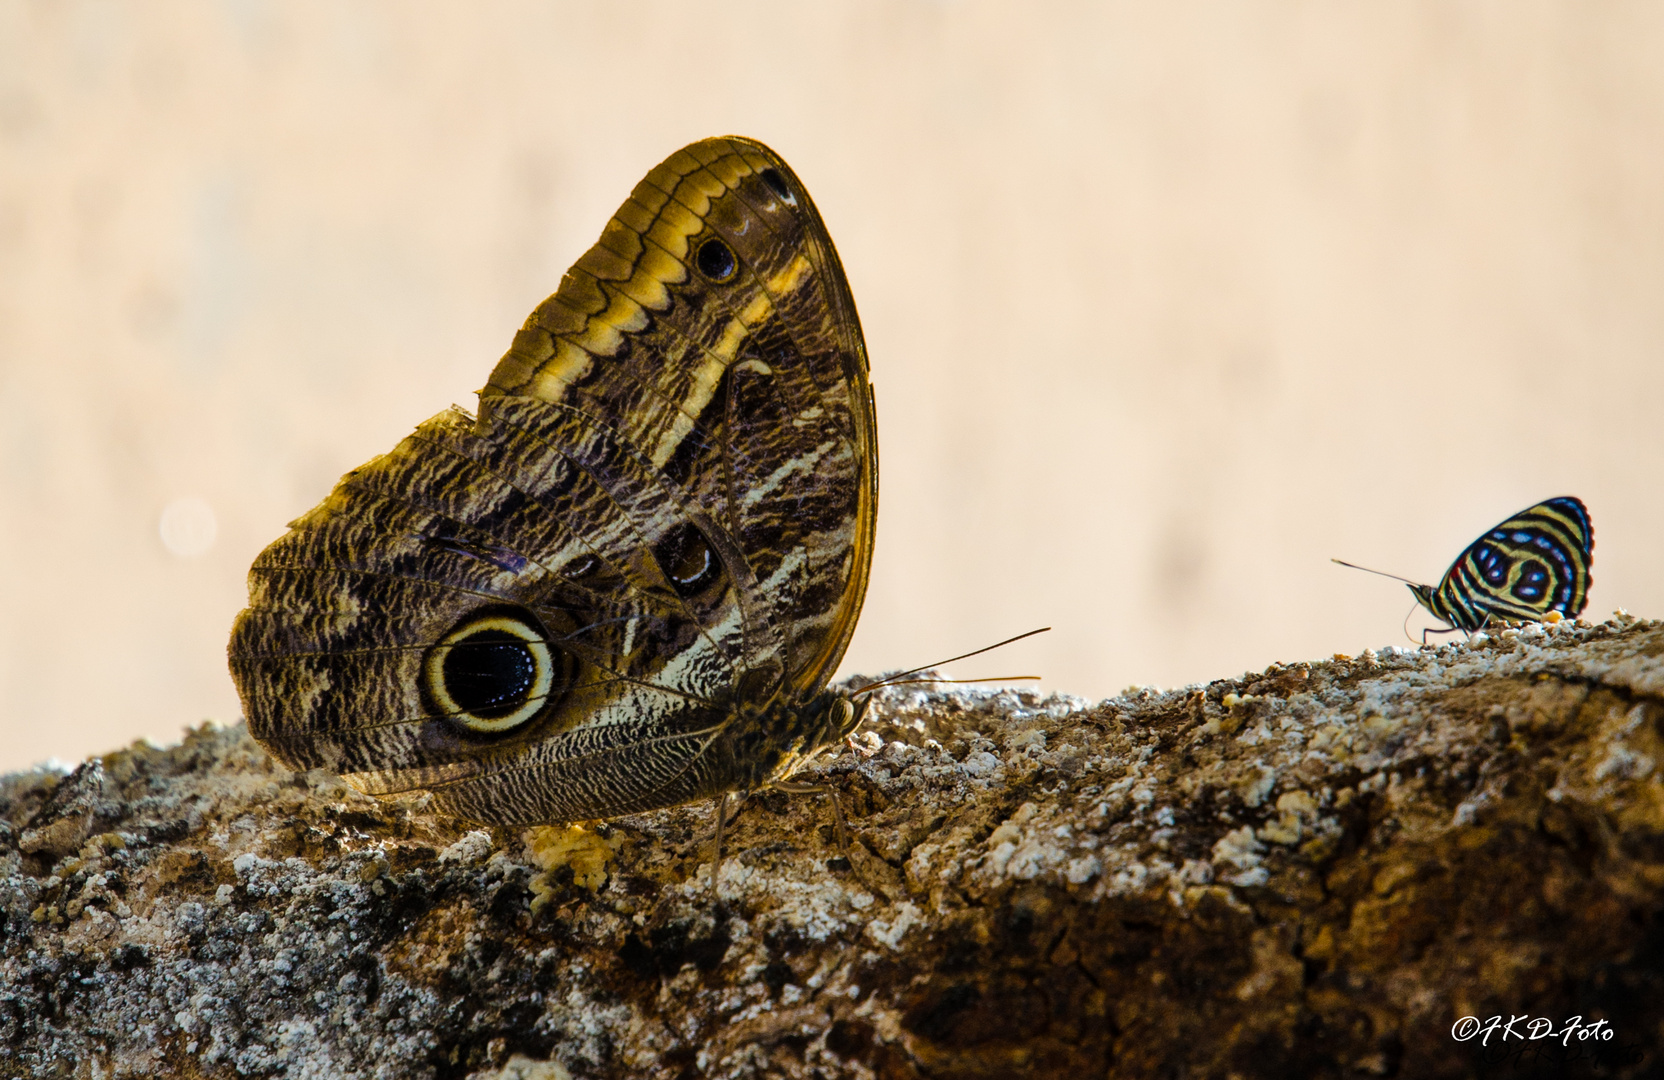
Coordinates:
(1534, 563)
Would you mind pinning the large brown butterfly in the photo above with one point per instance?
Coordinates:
(625, 584)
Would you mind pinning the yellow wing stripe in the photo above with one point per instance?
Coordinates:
(644, 249)
(788, 279)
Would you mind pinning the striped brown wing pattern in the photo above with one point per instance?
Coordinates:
(625, 584)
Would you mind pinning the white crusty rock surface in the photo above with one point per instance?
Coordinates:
(1313, 871)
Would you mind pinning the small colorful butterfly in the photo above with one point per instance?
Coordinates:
(1534, 563)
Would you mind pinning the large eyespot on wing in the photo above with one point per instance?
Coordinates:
(496, 671)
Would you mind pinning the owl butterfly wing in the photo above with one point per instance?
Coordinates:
(714, 323)
(666, 502)
(508, 547)
(1535, 562)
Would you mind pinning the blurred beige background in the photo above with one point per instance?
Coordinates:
(1167, 303)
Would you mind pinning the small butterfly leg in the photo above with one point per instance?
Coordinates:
(795, 788)
(1438, 630)
(1452, 629)
(723, 817)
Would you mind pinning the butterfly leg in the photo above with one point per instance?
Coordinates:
(791, 787)
(722, 820)
(1434, 630)
(716, 860)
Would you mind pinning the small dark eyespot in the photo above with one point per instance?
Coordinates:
(778, 185)
(687, 560)
(695, 564)
(716, 260)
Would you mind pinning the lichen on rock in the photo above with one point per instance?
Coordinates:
(1313, 870)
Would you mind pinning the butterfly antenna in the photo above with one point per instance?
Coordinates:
(1367, 570)
(985, 678)
(894, 679)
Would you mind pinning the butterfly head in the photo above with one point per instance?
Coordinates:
(829, 717)
(853, 712)
(1423, 595)
(772, 739)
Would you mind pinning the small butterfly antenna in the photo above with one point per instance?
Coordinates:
(1367, 570)
(894, 680)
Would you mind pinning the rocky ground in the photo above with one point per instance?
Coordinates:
(1317, 870)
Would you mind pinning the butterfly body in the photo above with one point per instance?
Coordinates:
(626, 581)
(1535, 562)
